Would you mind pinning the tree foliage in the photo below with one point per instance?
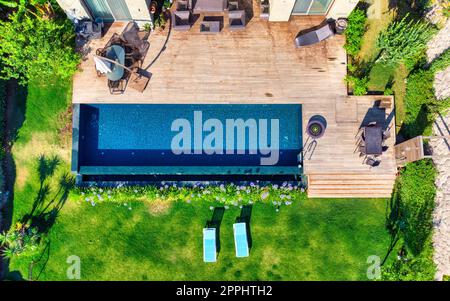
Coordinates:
(36, 44)
(404, 40)
(410, 221)
(355, 31)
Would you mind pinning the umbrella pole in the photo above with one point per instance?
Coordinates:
(116, 63)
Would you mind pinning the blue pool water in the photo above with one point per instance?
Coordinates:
(141, 135)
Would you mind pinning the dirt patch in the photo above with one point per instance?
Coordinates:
(159, 207)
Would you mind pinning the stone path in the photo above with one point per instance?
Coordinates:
(441, 216)
(439, 43)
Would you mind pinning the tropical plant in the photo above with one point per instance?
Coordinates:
(355, 31)
(36, 47)
(20, 240)
(9, 3)
(403, 40)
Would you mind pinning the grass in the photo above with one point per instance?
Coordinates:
(161, 240)
(310, 240)
(39, 134)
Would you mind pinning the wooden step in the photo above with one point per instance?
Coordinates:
(351, 187)
(355, 176)
(350, 182)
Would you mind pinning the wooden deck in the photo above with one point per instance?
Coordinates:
(257, 65)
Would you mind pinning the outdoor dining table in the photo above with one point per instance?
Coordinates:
(373, 140)
(116, 53)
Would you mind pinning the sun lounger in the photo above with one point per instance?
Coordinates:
(240, 239)
(314, 36)
(209, 245)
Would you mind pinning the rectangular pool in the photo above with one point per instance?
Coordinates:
(177, 139)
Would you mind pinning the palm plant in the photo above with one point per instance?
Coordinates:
(21, 239)
(403, 40)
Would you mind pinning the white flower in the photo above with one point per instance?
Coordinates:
(222, 187)
(188, 201)
(240, 206)
(129, 208)
(264, 195)
(284, 184)
(302, 189)
(275, 186)
(211, 208)
(226, 207)
(135, 191)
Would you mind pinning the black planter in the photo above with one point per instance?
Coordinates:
(315, 128)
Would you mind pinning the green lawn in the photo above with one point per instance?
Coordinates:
(308, 240)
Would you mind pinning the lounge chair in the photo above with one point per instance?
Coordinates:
(240, 239)
(209, 245)
(315, 35)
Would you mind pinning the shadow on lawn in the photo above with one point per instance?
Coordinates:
(246, 214)
(45, 208)
(215, 222)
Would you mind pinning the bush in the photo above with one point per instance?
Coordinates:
(36, 47)
(2, 131)
(404, 41)
(412, 217)
(355, 31)
(359, 85)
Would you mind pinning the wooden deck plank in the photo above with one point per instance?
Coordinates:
(257, 65)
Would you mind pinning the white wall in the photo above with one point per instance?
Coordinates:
(138, 9)
(280, 10)
(341, 8)
(74, 9)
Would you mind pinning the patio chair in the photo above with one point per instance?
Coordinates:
(181, 20)
(314, 35)
(371, 161)
(132, 40)
(236, 19)
(209, 245)
(240, 239)
(183, 5)
(117, 86)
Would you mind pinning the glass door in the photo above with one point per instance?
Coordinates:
(311, 7)
(100, 9)
(119, 9)
(109, 10)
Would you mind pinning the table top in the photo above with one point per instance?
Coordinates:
(116, 53)
(373, 138)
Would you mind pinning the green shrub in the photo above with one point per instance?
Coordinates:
(20, 240)
(2, 131)
(227, 194)
(355, 31)
(359, 85)
(37, 47)
(404, 41)
(412, 217)
(442, 62)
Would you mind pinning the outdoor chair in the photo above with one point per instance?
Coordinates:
(240, 239)
(118, 86)
(233, 5)
(314, 35)
(371, 161)
(236, 19)
(181, 20)
(182, 5)
(209, 245)
(132, 40)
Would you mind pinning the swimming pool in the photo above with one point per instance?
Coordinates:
(177, 139)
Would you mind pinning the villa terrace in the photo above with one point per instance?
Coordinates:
(260, 64)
